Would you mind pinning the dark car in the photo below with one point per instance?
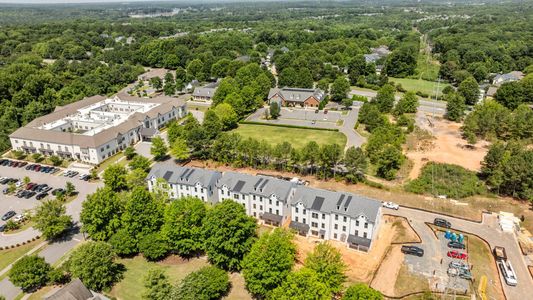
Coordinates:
(413, 250)
(5, 180)
(42, 187)
(442, 223)
(20, 193)
(46, 189)
(29, 194)
(456, 245)
(28, 167)
(2, 228)
(30, 185)
(37, 168)
(41, 196)
(43, 169)
(8, 215)
(35, 188)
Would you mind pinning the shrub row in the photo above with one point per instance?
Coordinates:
(287, 126)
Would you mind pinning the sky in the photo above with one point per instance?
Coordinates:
(83, 1)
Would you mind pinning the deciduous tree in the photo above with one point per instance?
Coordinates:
(51, 219)
(101, 213)
(159, 148)
(30, 272)
(157, 285)
(303, 284)
(208, 283)
(115, 177)
(361, 291)
(326, 262)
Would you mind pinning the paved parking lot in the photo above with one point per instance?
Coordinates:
(19, 205)
(434, 264)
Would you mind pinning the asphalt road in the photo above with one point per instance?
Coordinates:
(490, 231)
(425, 105)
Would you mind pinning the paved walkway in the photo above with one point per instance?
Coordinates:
(490, 231)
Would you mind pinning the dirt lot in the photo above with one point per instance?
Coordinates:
(447, 147)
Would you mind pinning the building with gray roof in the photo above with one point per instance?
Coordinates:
(341, 216)
(95, 128)
(263, 197)
(206, 92)
(184, 181)
(507, 77)
(296, 96)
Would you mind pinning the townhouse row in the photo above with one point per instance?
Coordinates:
(328, 215)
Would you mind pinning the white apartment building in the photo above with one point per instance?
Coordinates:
(95, 128)
(184, 181)
(337, 216)
(265, 198)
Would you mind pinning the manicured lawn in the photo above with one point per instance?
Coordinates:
(113, 159)
(298, 137)
(8, 256)
(419, 85)
(202, 108)
(132, 285)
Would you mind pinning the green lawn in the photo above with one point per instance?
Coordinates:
(202, 108)
(298, 137)
(419, 85)
(132, 285)
(8, 256)
(113, 159)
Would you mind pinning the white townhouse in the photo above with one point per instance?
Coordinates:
(263, 197)
(184, 181)
(95, 128)
(340, 216)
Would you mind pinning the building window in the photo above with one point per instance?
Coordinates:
(336, 226)
(236, 196)
(314, 215)
(277, 212)
(305, 221)
(366, 225)
(296, 209)
(334, 235)
(255, 214)
(102, 149)
(336, 217)
(365, 235)
(357, 233)
(344, 218)
(269, 201)
(296, 219)
(270, 210)
(253, 197)
(323, 216)
(261, 207)
(323, 226)
(357, 223)
(195, 189)
(253, 205)
(277, 203)
(344, 228)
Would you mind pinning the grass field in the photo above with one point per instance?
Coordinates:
(419, 85)
(132, 285)
(298, 137)
(482, 260)
(10, 255)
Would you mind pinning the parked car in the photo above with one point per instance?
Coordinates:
(28, 167)
(499, 253)
(46, 189)
(19, 184)
(29, 194)
(85, 177)
(458, 265)
(442, 223)
(457, 254)
(8, 215)
(5, 191)
(41, 196)
(19, 218)
(456, 245)
(413, 250)
(508, 272)
(391, 205)
(2, 228)
(30, 185)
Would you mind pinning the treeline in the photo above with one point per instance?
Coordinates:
(384, 146)
(30, 88)
(208, 141)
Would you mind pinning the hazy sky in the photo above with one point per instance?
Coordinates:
(84, 1)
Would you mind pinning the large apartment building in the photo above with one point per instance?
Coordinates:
(95, 128)
(340, 216)
(184, 181)
(328, 215)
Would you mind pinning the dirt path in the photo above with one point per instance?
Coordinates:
(385, 279)
(448, 146)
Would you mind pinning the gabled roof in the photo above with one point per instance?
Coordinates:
(75, 290)
(511, 76)
(336, 202)
(256, 185)
(297, 94)
(183, 175)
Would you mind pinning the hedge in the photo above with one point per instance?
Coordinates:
(287, 126)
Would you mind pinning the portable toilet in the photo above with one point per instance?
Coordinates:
(447, 234)
(454, 237)
(461, 238)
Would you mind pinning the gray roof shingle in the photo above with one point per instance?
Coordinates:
(183, 175)
(257, 185)
(337, 202)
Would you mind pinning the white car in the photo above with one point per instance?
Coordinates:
(19, 184)
(391, 205)
(18, 218)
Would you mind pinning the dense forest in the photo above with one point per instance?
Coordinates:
(53, 55)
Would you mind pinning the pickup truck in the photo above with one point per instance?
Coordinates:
(499, 253)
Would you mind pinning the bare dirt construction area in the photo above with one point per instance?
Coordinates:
(361, 266)
(389, 269)
(446, 146)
